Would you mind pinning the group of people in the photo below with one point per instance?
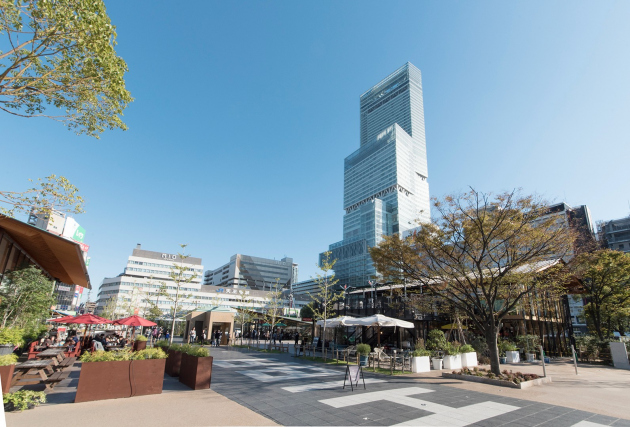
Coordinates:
(158, 333)
(215, 337)
(102, 343)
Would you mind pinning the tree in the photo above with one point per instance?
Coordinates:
(154, 311)
(61, 54)
(605, 277)
(111, 308)
(25, 297)
(180, 276)
(52, 194)
(484, 254)
(326, 296)
(274, 305)
(243, 312)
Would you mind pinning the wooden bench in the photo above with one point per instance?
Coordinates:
(55, 378)
(67, 362)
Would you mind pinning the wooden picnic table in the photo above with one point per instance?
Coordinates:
(32, 372)
(55, 355)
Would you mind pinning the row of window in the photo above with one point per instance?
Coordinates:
(151, 264)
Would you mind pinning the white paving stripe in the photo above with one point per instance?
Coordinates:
(329, 384)
(587, 424)
(247, 363)
(442, 415)
(286, 372)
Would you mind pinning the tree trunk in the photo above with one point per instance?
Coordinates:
(491, 333)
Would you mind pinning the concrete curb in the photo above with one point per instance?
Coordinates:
(472, 378)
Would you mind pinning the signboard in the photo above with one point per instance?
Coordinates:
(84, 247)
(354, 373)
(63, 288)
(55, 223)
(307, 319)
(73, 230)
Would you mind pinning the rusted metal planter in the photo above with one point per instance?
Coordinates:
(139, 345)
(173, 363)
(196, 372)
(113, 380)
(6, 374)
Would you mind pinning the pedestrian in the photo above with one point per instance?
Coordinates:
(216, 338)
(204, 335)
(227, 337)
(297, 338)
(167, 336)
(192, 335)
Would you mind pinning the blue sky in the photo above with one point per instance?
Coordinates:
(244, 112)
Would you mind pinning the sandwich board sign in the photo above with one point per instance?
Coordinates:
(354, 373)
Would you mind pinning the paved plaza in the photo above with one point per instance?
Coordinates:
(253, 388)
(291, 391)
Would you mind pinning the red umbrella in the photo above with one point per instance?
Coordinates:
(88, 319)
(134, 321)
(60, 319)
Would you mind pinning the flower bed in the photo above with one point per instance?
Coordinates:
(506, 379)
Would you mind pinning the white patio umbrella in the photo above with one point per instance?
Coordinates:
(342, 320)
(379, 320)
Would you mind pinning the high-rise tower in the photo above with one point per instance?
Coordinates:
(385, 180)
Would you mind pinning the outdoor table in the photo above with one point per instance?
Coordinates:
(32, 372)
(55, 355)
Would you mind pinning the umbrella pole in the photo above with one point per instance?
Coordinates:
(378, 335)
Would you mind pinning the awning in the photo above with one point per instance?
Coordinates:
(60, 258)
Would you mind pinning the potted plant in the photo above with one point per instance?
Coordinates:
(453, 357)
(174, 361)
(529, 343)
(140, 343)
(436, 342)
(9, 339)
(420, 359)
(7, 365)
(363, 350)
(115, 374)
(196, 367)
(23, 399)
(511, 352)
(469, 356)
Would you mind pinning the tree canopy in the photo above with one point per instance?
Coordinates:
(483, 253)
(60, 54)
(25, 297)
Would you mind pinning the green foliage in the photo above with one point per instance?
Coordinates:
(436, 340)
(61, 54)
(505, 345)
(23, 398)
(452, 349)
(591, 347)
(8, 359)
(467, 348)
(25, 297)
(163, 344)
(421, 352)
(149, 353)
(141, 338)
(54, 193)
(192, 350)
(605, 277)
(529, 342)
(513, 377)
(324, 299)
(307, 311)
(363, 349)
(34, 332)
(13, 336)
(480, 344)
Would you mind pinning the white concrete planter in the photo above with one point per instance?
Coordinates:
(531, 357)
(437, 364)
(512, 356)
(453, 362)
(469, 359)
(420, 364)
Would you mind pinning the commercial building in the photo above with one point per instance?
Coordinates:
(385, 181)
(616, 234)
(253, 273)
(145, 273)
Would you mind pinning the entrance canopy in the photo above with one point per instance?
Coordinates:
(59, 257)
(379, 320)
(343, 321)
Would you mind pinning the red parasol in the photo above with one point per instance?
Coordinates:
(88, 319)
(134, 321)
(60, 319)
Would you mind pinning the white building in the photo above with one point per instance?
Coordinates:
(254, 273)
(146, 271)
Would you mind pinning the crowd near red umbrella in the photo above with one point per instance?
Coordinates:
(134, 321)
(88, 319)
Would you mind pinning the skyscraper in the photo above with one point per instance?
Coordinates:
(385, 180)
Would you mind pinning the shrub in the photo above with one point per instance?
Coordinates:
(23, 398)
(466, 348)
(8, 359)
(106, 356)
(149, 353)
(35, 332)
(529, 342)
(452, 349)
(13, 336)
(505, 345)
(421, 352)
(141, 337)
(480, 345)
(436, 340)
(506, 375)
(363, 349)
(197, 351)
(163, 344)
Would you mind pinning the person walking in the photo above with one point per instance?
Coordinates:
(192, 335)
(205, 335)
(297, 338)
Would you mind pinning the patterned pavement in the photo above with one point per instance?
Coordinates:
(292, 391)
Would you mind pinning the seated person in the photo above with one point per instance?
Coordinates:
(48, 342)
(98, 346)
(71, 344)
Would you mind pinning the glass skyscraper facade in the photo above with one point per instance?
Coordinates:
(385, 180)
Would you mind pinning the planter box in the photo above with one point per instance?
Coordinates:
(6, 375)
(512, 356)
(195, 372)
(173, 363)
(469, 359)
(472, 378)
(113, 380)
(453, 362)
(437, 364)
(139, 345)
(420, 364)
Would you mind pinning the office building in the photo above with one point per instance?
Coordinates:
(253, 273)
(385, 181)
(616, 234)
(131, 291)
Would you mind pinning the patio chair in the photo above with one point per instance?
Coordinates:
(381, 356)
